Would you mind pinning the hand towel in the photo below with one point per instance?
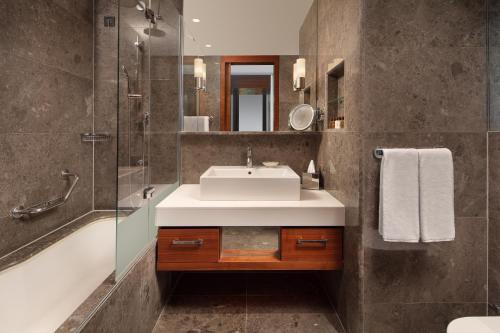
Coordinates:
(399, 201)
(190, 124)
(203, 123)
(437, 214)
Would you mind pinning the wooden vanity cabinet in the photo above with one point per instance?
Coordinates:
(188, 245)
(311, 244)
(199, 249)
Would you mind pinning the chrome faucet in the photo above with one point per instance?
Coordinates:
(249, 157)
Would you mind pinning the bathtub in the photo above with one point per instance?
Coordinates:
(39, 294)
(475, 325)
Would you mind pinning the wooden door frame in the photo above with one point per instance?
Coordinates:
(225, 85)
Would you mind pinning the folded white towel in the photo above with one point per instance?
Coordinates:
(437, 216)
(190, 124)
(203, 123)
(398, 204)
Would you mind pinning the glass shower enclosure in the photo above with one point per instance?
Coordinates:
(149, 86)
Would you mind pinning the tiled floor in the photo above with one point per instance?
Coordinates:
(248, 303)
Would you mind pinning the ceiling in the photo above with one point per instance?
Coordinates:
(243, 27)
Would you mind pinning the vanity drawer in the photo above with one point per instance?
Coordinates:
(311, 244)
(188, 245)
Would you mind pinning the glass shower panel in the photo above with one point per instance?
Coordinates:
(133, 135)
(133, 109)
(165, 62)
(148, 109)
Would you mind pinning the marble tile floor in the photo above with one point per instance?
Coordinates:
(251, 302)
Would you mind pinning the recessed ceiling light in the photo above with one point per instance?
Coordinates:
(196, 20)
(208, 45)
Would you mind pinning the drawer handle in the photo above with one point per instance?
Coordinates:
(194, 242)
(305, 242)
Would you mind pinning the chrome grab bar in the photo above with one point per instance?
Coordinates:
(20, 212)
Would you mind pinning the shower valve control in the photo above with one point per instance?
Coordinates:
(109, 21)
(148, 192)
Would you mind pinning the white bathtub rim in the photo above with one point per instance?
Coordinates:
(57, 229)
(59, 255)
(477, 324)
(55, 244)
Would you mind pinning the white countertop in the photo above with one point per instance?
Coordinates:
(184, 208)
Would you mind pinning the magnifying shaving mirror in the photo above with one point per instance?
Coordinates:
(302, 117)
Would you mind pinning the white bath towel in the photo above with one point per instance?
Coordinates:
(196, 123)
(190, 124)
(398, 204)
(437, 216)
(203, 123)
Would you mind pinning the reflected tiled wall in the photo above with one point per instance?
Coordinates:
(46, 98)
(308, 49)
(288, 98)
(164, 116)
(164, 124)
(210, 100)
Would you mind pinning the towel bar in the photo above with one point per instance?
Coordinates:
(379, 152)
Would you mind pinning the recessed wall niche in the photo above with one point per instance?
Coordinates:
(335, 89)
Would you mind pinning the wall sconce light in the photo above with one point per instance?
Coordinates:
(299, 74)
(204, 78)
(198, 73)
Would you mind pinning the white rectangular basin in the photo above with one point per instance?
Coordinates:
(241, 183)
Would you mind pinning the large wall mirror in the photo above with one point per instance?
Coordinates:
(247, 64)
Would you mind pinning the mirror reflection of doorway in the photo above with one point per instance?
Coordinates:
(250, 93)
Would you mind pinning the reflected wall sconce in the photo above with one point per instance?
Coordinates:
(299, 74)
(200, 74)
(204, 78)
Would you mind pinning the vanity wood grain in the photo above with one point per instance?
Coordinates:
(208, 256)
(311, 244)
(207, 251)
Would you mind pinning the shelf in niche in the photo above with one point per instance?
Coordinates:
(335, 92)
(336, 130)
(338, 99)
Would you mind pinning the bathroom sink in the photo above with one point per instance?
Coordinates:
(243, 183)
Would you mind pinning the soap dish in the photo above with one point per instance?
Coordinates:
(271, 164)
